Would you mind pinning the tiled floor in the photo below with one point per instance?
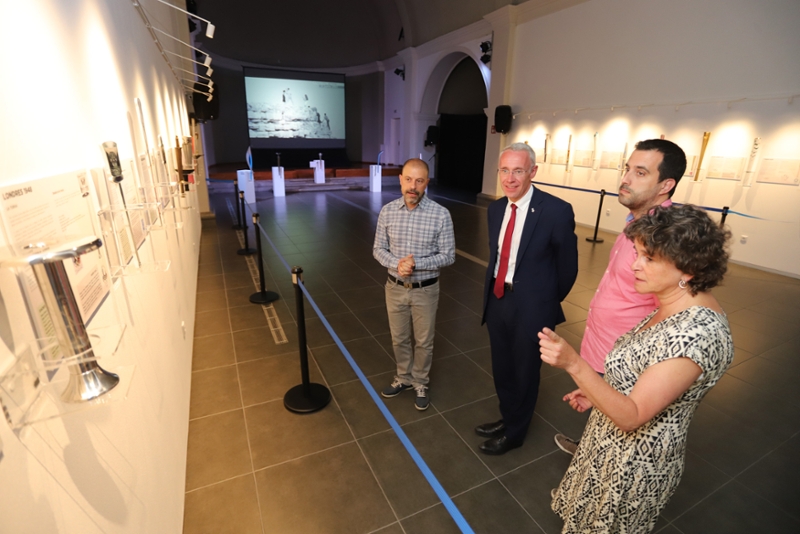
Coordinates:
(255, 467)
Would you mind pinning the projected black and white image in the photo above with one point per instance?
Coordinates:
(294, 109)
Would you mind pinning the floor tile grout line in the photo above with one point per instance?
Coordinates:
(342, 347)
(241, 400)
(548, 422)
(360, 448)
(733, 479)
(234, 477)
(355, 439)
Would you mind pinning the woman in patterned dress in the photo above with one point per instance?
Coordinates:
(631, 456)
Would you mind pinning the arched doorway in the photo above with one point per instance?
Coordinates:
(458, 87)
(462, 128)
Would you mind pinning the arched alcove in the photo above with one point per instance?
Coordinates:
(457, 94)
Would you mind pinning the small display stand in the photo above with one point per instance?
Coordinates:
(278, 182)
(57, 371)
(319, 170)
(375, 178)
(247, 184)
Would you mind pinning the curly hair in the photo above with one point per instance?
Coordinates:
(687, 237)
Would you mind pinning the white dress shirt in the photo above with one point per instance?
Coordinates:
(519, 223)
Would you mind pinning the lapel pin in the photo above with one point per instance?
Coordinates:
(533, 209)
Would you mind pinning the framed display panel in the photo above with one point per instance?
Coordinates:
(723, 168)
(53, 209)
(611, 160)
(583, 158)
(779, 171)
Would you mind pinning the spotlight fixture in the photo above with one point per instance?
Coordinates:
(401, 71)
(486, 51)
(194, 74)
(210, 85)
(193, 90)
(209, 70)
(209, 27)
(207, 62)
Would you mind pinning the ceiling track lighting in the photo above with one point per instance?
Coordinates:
(193, 90)
(401, 71)
(210, 85)
(209, 27)
(209, 70)
(194, 73)
(143, 14)
(207, 61)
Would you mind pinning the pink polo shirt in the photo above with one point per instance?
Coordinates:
(616, 306)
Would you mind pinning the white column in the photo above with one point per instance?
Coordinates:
(278, 183)
(504, 24)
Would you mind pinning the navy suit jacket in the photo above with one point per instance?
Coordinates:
(547, 260)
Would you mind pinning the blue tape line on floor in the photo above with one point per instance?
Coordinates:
(423, 467)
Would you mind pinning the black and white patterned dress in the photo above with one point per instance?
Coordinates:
(620, 481)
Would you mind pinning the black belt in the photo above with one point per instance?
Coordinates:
(414, 285)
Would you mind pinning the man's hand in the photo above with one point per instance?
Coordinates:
(406, 266)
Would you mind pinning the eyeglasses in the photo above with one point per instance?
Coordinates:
(518, 173)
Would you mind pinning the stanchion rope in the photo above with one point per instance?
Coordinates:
(707, 208)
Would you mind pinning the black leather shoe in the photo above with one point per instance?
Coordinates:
(491, 430)
(498, 446)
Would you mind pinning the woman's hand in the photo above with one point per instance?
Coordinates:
(578, 401)
(555, 350)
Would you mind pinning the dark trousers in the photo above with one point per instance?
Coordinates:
(516, 363)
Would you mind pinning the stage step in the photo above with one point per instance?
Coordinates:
(305, 185)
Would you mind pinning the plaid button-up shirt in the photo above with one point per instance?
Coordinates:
(426, 232)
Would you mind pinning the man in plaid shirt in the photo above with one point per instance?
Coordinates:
(414, 239)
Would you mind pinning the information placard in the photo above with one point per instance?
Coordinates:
(779, 171)
(53, 209)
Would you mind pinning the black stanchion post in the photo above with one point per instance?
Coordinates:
(305, 397)
(263, 296)
(246, 251)
(238, 225)
(724, 214)
(596, 239)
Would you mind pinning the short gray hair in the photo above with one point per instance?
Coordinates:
(521, 147)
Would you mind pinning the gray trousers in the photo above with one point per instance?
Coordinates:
(418, 307)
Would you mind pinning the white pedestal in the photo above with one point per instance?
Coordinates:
(319, 170)
(278, 183)
(247, 184)
(375, 178)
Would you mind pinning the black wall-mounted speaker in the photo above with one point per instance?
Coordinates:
(502, 119)
(432, 135)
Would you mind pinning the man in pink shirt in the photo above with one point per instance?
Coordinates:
(651, 175)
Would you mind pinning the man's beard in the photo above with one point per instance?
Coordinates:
(414, 199)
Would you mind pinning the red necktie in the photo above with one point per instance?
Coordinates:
(505, 253)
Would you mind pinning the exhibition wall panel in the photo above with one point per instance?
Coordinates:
(628, 70)
(78, 73)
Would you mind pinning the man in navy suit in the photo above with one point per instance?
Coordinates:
(533, 262)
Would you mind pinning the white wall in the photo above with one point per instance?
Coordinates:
(659, 54)
(71, 71)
